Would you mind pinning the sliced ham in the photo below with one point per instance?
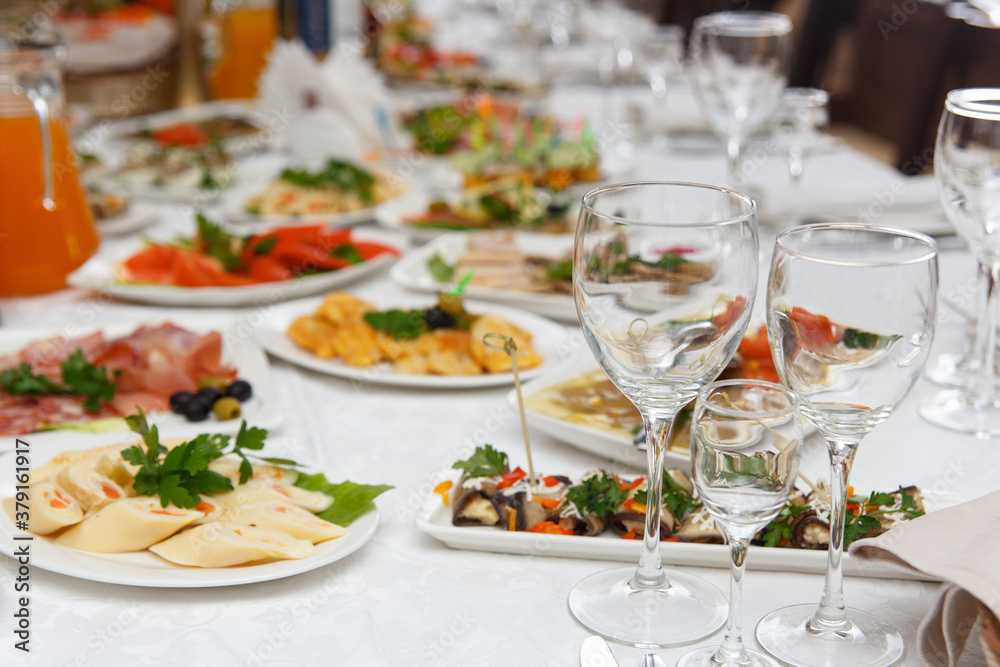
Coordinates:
(152, 362)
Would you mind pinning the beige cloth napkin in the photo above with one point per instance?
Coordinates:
(959, 545)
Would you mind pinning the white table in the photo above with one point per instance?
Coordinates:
(407, 599)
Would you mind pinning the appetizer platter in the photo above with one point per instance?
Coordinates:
(232, 124)
(177, 172)
(124, 512)
(217, 268)
(576, 403)
(510, 205)
(523, 269)
(428, 343)
(87, 378)
(459, 124)
(339, 193)
(480, 504)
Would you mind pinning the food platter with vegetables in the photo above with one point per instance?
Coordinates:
(212, 510)
(214, 267)
(483, 505)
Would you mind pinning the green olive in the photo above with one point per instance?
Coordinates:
(214, 383)
(226, 407)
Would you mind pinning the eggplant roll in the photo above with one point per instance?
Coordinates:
(588, 525)
(475, 504)
(519, 513)
(632, 516)
(700, 527)
(810, 531)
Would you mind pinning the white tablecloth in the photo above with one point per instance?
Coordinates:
(405, 598)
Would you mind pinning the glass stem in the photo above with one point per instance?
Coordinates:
(732, 650)
(831, 617)
(734, 147)
(986, 332)
(650, 574)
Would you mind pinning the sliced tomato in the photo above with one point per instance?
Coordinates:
(367, 250)
(754, 369)
(814, 330)
(755, 346)
(732, 313)
(194, 270)
(184, 134)
(155, 264)
(266, 269)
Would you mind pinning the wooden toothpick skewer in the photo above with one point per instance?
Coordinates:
(510, 347)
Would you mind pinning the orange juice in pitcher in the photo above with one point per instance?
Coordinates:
(46, 227)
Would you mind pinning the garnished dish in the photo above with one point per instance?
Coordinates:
(197, 132)
(545, 155)
(174, 169)
(411, 342)
(116, 213)
(62, 381)
(471, 121)
(483, 496)
(216, 258)
(580, 405)
(505, 204)
(336, 188)
(231, 124)
(213, 501)
(443, 339)
(403, 49)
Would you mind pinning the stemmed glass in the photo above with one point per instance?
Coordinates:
(745, 442)
(801, 119)
(664, 276)
(850, 311)
(967, 170)
(739, 65)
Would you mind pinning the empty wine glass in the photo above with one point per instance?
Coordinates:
(967, 170)
(801, 118)
(664, 276)
(658, 59)
(745, 442)
(739, 65)
(851, 311)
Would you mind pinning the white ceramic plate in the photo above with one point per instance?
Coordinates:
(146, 568)
(605, 444)
(132, 219)
(263, 409)
(548, 340)
(98, 274)
(411, 272)
(196, 113)
(434, 518)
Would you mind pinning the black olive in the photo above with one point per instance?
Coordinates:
(438, 319)
(240, 390)
(197, 410)
(556, 208)
(209, 394)
(179, 400)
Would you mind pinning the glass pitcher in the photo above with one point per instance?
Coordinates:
(46, 226)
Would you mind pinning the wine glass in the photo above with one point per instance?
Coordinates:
(850, 312)
(801, 118)
(967, 170)
(745, 442)
(739, 66)
(664, 276)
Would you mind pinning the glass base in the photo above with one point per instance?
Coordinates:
(703, 657)
(954, 371)
(608, 605)
(958, 410)
(866, 641)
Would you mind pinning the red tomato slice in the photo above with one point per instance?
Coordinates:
(264, 269)
(755, 346)
(814, 329)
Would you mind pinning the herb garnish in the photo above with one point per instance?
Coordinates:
(676, 497)
(560, 270)
(598, 494)
(341, 175)
(780, 528)
(216, 242)
(484, 462)
(866, 520)
(80, 378)
(865, 340)
(350, 500)
(402, 324)
(439, 269)
(347, 252)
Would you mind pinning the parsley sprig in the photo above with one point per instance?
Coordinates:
(181, 475)
(598, 494)
(484, 462)
(79, 378)
(859, 524)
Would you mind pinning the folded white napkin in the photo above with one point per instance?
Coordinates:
(959, 545)
(334, 106)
